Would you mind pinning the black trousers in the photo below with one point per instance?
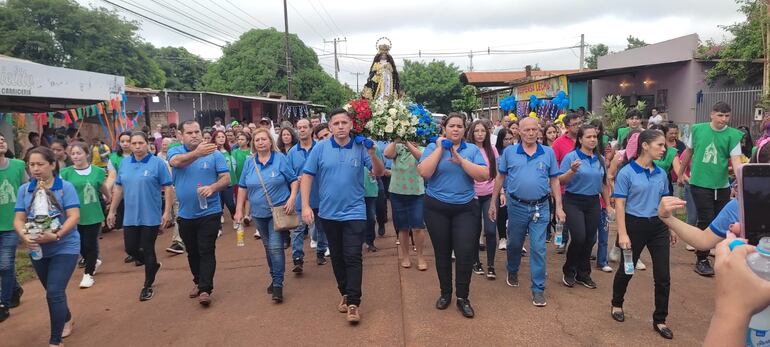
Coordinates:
(708, 203)
(345, 241)
(502, 218)
(453, 227)
(140, 244)
(200, 239)
(653, 234)
(382, 202)
(488, 229)
(583, 213)
(89, 245)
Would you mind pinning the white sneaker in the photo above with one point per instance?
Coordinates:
(98, 265)
(640, 265)
(606, 268)
(313, 244)
(502, 244)
(712, 252)
(87, 281)
(257, 235)
(689, 248)
(614, 255)
(523, 249)
(453, 255)
(219, 233)
(327, 253)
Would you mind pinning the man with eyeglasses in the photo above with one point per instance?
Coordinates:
(561, 146)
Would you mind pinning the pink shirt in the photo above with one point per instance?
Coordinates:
(485, 188)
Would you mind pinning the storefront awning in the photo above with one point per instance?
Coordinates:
(596, 74)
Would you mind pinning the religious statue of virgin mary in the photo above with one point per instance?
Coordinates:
(382, 82)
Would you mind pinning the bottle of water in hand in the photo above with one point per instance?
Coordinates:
(759, 326)
(558, 237)
(202, 200)
(239, 235)
(35, 252)
(628, 261)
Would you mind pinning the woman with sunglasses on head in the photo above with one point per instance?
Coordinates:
(504, 139)
(450, 165)
(639, 187)
(478, 134)
(585, 178)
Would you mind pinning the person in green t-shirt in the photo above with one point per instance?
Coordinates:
(712, 145)
(219, 138)
(238, 157)
(371, 191)
(407, 190)
(113, 165)
(634, 121)
(90, 184)
(12, 176)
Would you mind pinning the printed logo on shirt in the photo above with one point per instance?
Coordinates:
(541, 166)
(273, 174)
(146, 173)
(354, 162)
(710, 155)
(205, 165)
(89, 194)
(7, 195)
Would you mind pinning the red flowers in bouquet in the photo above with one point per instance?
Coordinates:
(360, 113)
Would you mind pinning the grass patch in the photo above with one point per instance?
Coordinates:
(24, 270)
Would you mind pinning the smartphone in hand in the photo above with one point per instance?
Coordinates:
(754, 198)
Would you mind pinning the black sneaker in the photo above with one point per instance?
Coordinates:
(176, 248)
(372, 248)
(538, 299)
(16, 297)
(5, 312)
(82, 263)
(513, 279)
(491, 273)
(482, 247)
(381, 230)
(278, 295)
(138, 263)
(320, 259)
(146, 294)
(587, 282)
(128, 259)
(703, 268)
(298, 266)
(478, 269)
(568, 280)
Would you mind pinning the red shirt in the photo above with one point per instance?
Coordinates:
(563, 145)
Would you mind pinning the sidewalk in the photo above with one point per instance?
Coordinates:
(397, 308)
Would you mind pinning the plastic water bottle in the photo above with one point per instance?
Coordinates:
(202, 203)
(559, 235)
(628, 261)
(759, 326)
(239, 235)
(35, 252)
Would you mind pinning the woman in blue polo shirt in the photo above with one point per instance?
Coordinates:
(61, 248)
(639, 187)
(138, 184)
(585, 178)
(281, 184)
(451, 211)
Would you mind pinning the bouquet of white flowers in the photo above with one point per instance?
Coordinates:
(391, 120)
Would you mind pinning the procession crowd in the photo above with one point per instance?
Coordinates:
(481, 187)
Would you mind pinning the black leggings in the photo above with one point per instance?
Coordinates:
(583, 213)
(653, 234)
(488, 228)
(453, 227)
(89, 245)
(502, 218)
(140, 244)
(708, 203)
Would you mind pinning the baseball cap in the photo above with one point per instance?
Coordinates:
(265, 120)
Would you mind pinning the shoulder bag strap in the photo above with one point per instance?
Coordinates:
(261, 182)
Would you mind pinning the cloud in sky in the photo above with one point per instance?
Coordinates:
(438, 26)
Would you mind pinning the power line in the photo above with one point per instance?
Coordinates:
(220, 38)
(331, 31)
(246, 13)
(195, 37)
(235, 32)
(306, 22)
(249, 25)
(330, 17)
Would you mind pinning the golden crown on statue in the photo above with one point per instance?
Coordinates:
(383, 45)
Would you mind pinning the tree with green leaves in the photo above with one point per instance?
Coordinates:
(736, 57)
(65, 34)
(256, 63)
(594, 52)
(634, 42)
(184, 70)
(434, 84)
(468, 101)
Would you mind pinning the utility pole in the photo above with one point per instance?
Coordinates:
(357, 74)
(582, 51)
(287, 50)
(470, 55)
(336, 60)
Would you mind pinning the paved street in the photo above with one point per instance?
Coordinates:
(397, 308)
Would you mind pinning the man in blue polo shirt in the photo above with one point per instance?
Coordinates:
(200, 172)
(297, 156)
(336, 164)
(530, 174)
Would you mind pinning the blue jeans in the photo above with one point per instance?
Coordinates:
(9, 240)
(604, 233)
(273, 241)
(298, 241)
(371, 220)
(319, 235)
(488, 228)
(54, 272)
(520, 222)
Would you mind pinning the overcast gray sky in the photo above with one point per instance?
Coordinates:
(436, 26)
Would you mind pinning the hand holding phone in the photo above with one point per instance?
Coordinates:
(754, 198)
